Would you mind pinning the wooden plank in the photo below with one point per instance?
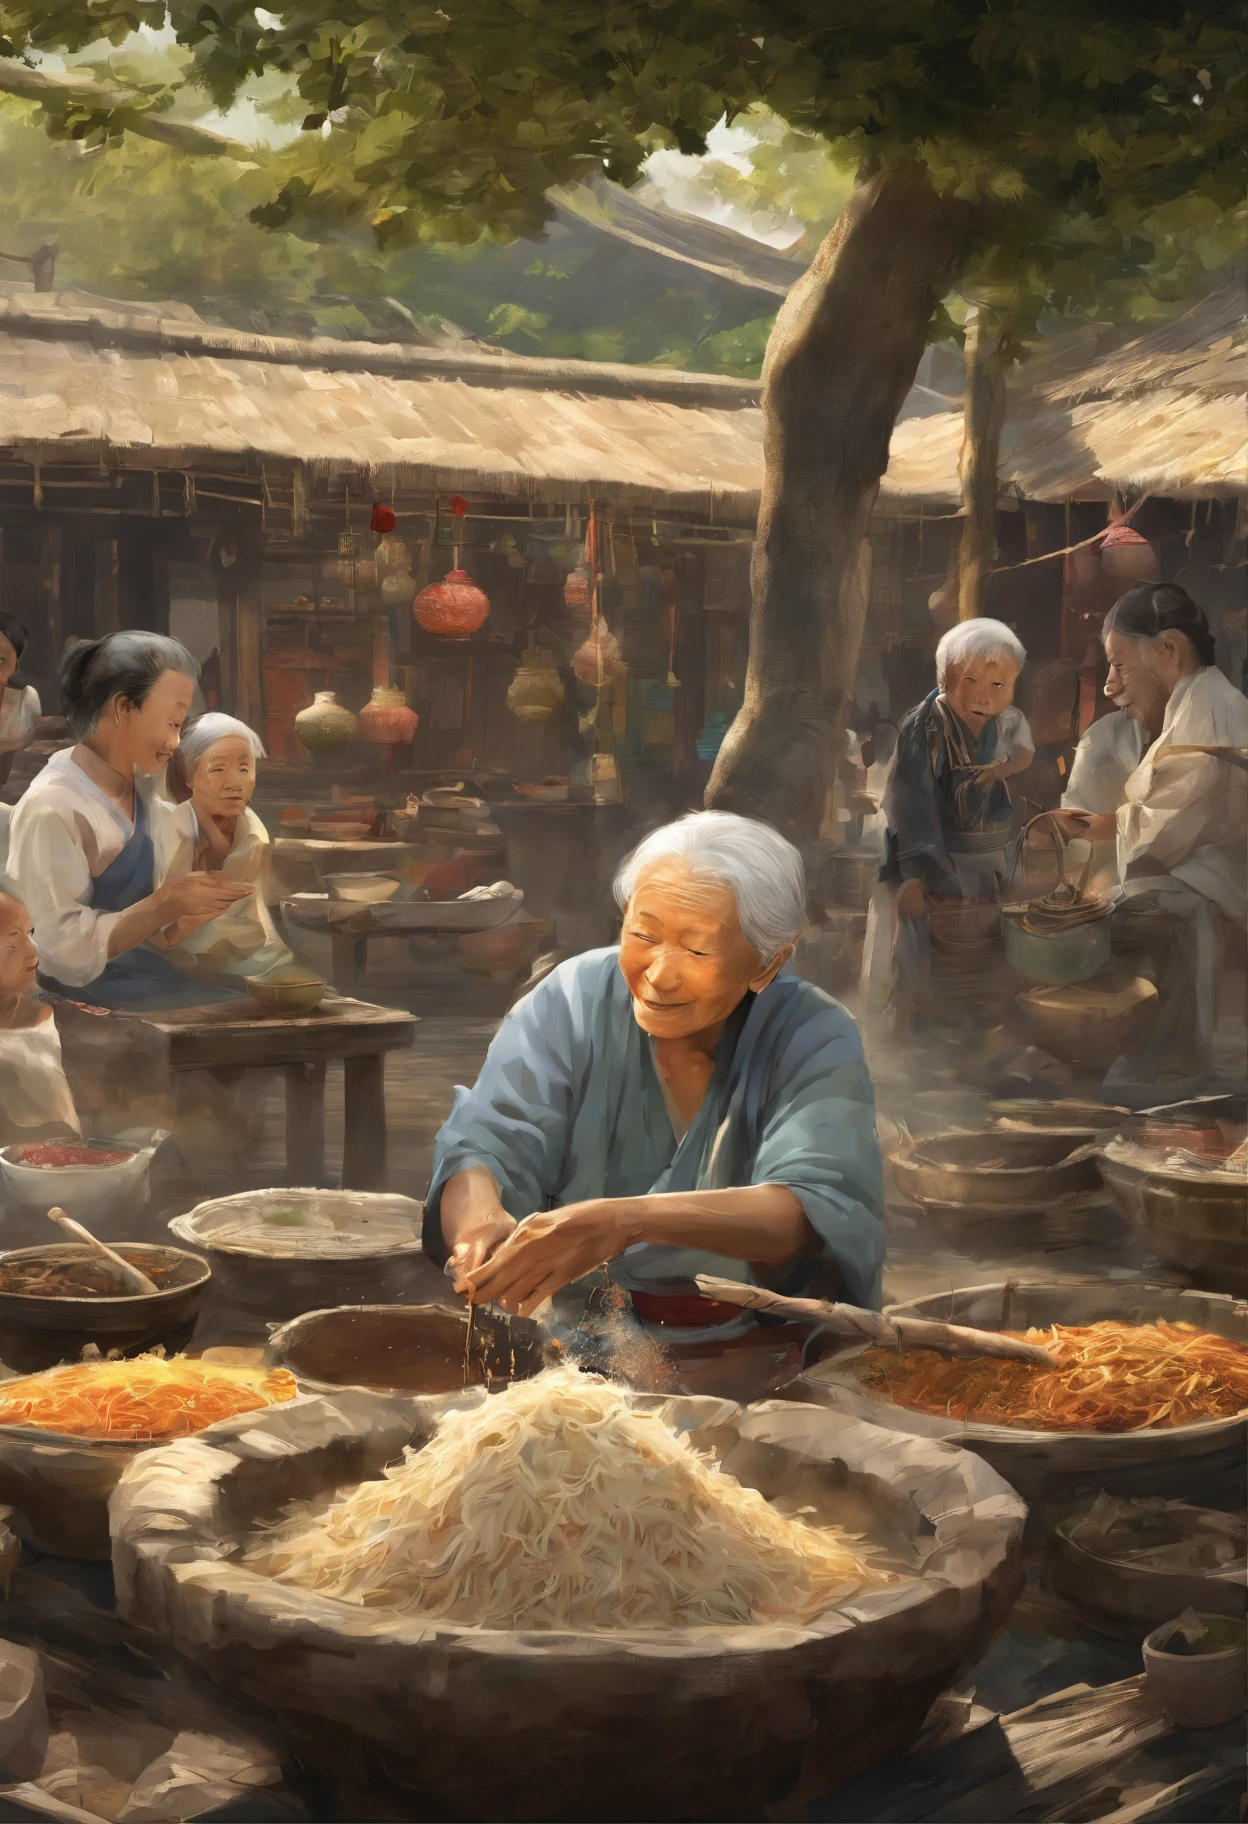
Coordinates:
(237, 1033)
(1068, 1756)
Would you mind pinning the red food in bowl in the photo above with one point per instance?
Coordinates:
(53, 1153)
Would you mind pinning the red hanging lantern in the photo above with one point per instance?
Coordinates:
(1127, 553)
(381, 519)
(458, 506)
(452, 609)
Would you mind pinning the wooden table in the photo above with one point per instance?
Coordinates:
(232, 1036)
(349, 926)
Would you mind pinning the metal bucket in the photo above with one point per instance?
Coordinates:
(1056, 956)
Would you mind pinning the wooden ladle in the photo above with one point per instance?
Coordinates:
(132, 1279)
(870, 1327)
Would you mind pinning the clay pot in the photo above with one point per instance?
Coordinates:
(535, 694)
(452, 609)
(325, 725)
(386, 719)
(1127, 553)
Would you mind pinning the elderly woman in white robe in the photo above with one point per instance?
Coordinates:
(675, 1105)
(1181, 824)
(214, 771)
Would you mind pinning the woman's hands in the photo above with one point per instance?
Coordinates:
(199, 896)
(476, 1245)
(547, 1253)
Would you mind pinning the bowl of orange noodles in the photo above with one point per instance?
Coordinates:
(1149, 1395)
(68, 1433)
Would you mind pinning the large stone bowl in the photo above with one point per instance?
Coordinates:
(636, 1724)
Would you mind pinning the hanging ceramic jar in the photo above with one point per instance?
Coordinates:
(386, 720)
(326, 725)
(595, 661)
(1127, 553)
(452, 609)
(535, 694)
(397, 586)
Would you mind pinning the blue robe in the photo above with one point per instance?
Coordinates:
(569, 1106)
(935, 809)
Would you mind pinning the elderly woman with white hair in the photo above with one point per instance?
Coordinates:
(674, 1105)
(213, 773)
(948, 810)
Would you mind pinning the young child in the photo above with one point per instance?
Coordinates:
(214, 772)
(35, 1099)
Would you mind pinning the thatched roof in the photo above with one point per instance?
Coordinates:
(160, 388)
(80, 377)
(1165, 413)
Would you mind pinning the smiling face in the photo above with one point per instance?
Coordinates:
(684, 956)
(18, 956)
(224, 778)
(8, 660)
(983, 688)
(1141, 679)
(144, 736)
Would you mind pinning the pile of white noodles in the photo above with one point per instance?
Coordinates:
(556, 1505)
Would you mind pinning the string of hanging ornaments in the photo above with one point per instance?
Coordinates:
(595, 660)
(456, 607)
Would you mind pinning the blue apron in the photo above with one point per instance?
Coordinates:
(142, 976)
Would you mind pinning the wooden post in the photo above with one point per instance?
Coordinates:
(364, 1123)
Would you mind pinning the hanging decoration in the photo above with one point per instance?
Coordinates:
(597, 658)
(1127, 553)
(393, 553)
(536, 692)
(456, 607)
(381, 519)
(452, 609)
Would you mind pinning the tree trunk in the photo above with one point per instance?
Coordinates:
(983, 414)
(841, 359)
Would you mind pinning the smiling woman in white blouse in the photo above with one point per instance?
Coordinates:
(93, 841)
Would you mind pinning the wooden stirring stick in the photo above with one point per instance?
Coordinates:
(870, 1327)
(131, 1277)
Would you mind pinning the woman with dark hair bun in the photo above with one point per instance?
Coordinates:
(19, 709)
(1181, 824)
(92, 840)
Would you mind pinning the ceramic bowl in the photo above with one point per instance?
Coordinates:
(1198, 1690)
(287, 991)
(363, 889)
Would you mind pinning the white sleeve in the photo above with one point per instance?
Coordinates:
(1020, 735)
(49, 869)
(30, 711)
